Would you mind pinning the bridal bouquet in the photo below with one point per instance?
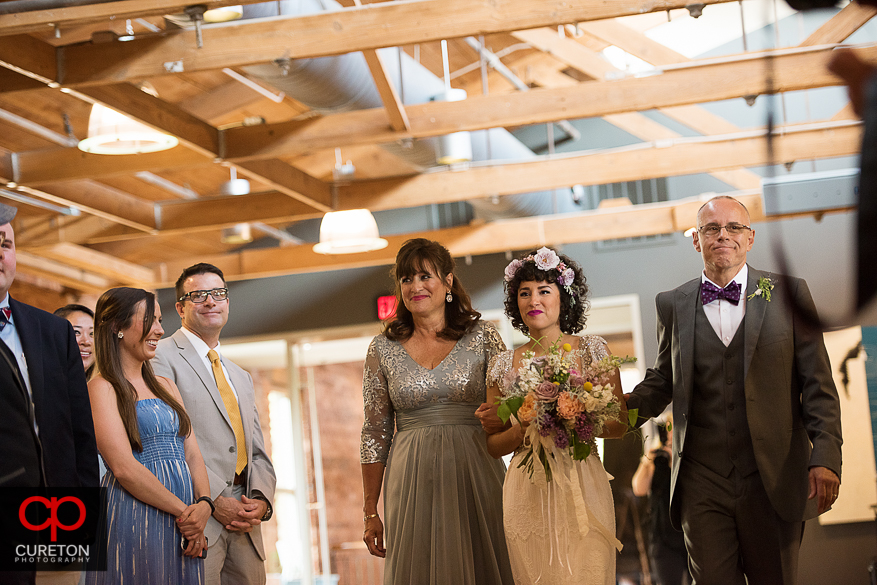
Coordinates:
(565, 408)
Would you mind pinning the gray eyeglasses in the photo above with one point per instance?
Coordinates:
(199, 296)
(712, 230)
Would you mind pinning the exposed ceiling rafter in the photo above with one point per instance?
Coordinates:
(372, 26)
(486, 238)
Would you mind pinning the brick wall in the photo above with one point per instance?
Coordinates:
(338, 394)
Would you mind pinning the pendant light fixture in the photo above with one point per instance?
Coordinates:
(349, 232)
(110, 132)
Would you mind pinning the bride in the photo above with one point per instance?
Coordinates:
(563, 530)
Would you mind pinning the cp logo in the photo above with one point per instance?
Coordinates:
(52, 505)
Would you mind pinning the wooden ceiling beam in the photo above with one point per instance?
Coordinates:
(213, 212)
(92, 261)
(709, 80)
(840, 26)
(99, 200)
(371, 26)
(648, 130)
(572, 53)
(205, 140)
(62, 273)
(38, 20)
(386, 89)
(66, 164)
(632, 41)
(14, 81)
(163, 116)
(667, 158)
(696, 82)
(568, 51)
(29, 56)
(218, 102)
(69, 229)
(661, 159)
(290, 181)
(486, 238)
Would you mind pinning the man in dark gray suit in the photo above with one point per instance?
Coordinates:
(48, 361)
(48, 365)
(756, 436)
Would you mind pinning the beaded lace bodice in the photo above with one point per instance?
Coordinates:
(393, 382)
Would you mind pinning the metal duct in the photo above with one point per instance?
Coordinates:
(343, 82)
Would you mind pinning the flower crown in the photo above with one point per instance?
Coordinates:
(545, 259)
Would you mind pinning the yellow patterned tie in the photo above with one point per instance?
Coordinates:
(231, 407)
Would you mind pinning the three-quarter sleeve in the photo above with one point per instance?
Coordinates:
(599, 348)
(377, 429)
(594, 348)
(493, 343)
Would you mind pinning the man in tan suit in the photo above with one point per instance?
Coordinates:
(220, 400)
(756, 435)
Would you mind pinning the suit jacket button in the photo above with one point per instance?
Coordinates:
(231, 449)
(228, 483)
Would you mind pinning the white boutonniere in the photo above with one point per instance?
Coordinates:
(762, 289)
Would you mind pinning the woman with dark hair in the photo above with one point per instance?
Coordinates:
(425, 377)
(667, 553)
(155, 515)
(559, 530)
(82, 320)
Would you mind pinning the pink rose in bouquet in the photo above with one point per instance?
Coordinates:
(547, 391)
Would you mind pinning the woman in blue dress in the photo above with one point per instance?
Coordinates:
(157, 485)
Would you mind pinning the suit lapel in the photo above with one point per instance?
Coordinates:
(188, 353)
(755, 309)
(6, 355)
(687, 297)
(29, 332)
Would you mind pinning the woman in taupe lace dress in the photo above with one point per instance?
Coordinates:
(425, 376)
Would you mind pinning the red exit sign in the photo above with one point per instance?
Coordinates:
(386, 307)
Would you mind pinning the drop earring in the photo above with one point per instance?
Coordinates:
(449, 297)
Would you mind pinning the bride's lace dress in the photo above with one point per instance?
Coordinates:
(563, 531)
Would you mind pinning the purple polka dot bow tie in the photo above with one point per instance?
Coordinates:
(710, 292)
(5, 316)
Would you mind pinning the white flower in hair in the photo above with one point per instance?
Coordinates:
(511, 269)
(566, 277)
(546, 258)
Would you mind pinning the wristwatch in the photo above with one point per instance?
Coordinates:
(269, 512)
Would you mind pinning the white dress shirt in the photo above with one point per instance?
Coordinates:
(725, 317)
(202, 350)
(10, 337)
